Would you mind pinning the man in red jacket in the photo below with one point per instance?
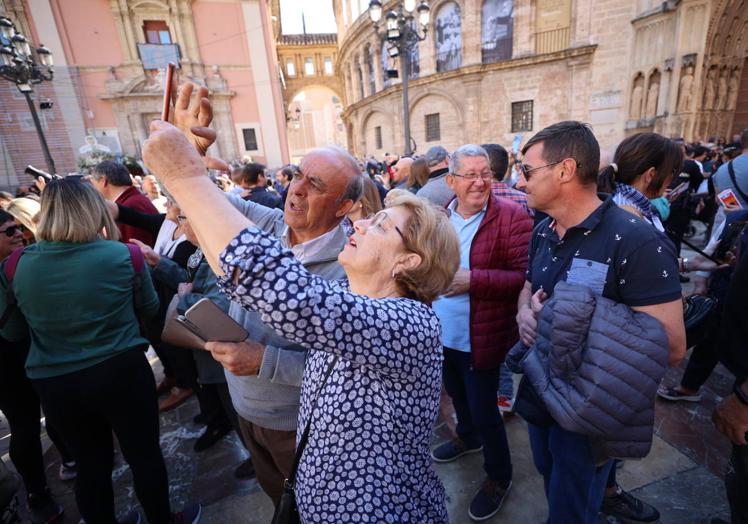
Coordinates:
(113, 181)
(478, 319)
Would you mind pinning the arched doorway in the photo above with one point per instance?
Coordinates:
(313, 120)
(723, 104)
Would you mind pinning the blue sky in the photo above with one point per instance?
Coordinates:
(318, 15)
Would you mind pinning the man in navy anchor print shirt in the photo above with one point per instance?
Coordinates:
(594, 243)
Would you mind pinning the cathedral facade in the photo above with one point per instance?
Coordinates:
(489, 70)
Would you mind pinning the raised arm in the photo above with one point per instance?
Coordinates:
(174, 160)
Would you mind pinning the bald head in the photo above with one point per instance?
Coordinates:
(401, 170)
(321, 193)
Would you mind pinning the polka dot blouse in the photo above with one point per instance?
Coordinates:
(367, 459)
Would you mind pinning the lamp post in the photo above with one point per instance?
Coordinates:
(17, 65)
(402, 36)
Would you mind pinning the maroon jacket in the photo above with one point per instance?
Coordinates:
(498, 261)
(134, 199)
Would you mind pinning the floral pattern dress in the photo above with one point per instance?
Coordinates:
(368, 456)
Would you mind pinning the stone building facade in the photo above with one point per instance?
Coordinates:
(110, 55)
(489, 69)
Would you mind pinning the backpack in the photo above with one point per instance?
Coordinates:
(11, 264)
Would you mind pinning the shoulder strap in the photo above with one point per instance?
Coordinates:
(11, 263)
(731, 170)
(291, 480)
(136, 256)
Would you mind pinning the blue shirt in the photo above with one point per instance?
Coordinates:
(614, 253)
(454, 312)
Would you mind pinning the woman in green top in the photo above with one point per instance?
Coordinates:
(75, 296)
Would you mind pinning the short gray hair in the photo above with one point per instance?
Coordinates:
(468, 150)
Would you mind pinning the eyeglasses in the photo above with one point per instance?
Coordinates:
(11, 230)
(377, 219)
(472, 177)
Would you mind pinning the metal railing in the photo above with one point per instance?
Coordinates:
(157, 56)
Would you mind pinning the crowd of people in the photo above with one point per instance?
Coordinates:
(367, 291)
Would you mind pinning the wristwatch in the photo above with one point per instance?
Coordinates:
(738, 390)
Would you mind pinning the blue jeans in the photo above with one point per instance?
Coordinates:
(506, 384)
(574, 484)
(473, 394)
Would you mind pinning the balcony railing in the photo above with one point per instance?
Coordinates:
(157, 56)
(552, 41)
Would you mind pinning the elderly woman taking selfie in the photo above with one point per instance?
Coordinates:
(373, 375)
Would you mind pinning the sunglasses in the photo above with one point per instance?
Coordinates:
(526, 170)
(11, 230)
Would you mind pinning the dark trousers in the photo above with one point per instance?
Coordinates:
(574, 484)
(20, 403)
(117, 395)
(272, 453)
(704, 356)
(736, 484)
(180, 365)
(473, 394)
(217, 408)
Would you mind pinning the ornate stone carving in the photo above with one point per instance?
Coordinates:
(732, 90)
(722, 90)
(637, 97)
(685, 90)
(653, 94)
(709, 92)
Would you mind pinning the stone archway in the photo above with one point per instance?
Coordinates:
(722, 111)
(313, 120)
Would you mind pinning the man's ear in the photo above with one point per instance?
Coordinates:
(344, 208)
(450, 180)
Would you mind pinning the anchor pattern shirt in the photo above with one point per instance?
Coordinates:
(614, 253)
(368, 456)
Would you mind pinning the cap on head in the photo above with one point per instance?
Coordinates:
(436, 155)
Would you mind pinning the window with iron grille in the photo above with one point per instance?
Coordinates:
(250, 139)
(433, 130)
(522, 116)
(378, 136)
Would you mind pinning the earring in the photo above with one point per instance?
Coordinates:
(393, 273)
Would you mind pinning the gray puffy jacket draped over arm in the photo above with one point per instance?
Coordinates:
(597, 364)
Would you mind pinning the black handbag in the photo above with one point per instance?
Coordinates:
(287, 512)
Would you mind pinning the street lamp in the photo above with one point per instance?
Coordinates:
(17, 65)
(402, 36)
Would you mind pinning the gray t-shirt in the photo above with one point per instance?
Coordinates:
(722, 179)
(437, 191)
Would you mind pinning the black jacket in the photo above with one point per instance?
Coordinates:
(733, 345)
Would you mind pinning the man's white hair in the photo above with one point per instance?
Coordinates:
(467, 150)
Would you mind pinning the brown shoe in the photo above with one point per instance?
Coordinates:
(175, 399)
(165, 386)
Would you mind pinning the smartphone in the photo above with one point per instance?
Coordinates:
(680, 188)
(169, 91)
(728, 198)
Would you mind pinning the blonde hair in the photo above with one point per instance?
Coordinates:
(26, 211)
(429, 234)
(73, 211)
